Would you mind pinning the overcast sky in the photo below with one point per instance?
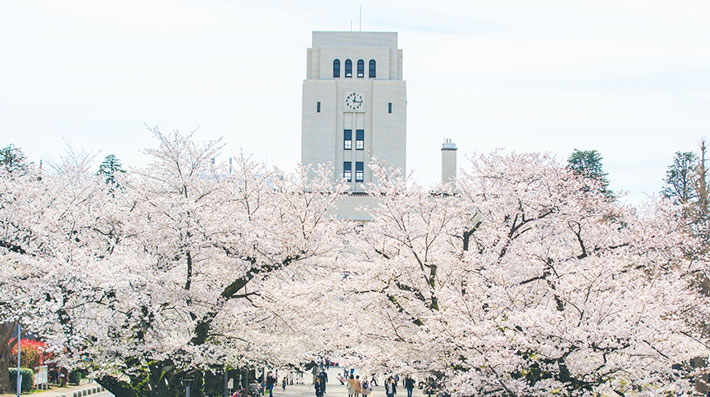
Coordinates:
(630, 79)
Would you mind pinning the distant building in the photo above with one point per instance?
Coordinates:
(355, 109)
(354, 104)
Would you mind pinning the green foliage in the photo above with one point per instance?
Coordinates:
(109, 169)
(588, 164)
(74, 377)
(13, 159)
(680, 178)
(27, 378)
(687, 184)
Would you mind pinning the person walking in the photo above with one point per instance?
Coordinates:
(409, 384)
(314, 371)
(374, 380)
(366, 388)
(270, 382)
(390, 387)
(253, 389)
(358, 386)
(283, 383)
(351, 386)
(319, 388)
(323, 376)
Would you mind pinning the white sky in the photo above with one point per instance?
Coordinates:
(630, 79)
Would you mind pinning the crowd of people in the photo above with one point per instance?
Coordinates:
(356, 386)
(363, 387)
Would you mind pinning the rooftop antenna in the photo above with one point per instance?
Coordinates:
(361, 18)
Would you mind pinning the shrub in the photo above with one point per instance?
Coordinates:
(27, 378)
(74, 377)
(31, 354)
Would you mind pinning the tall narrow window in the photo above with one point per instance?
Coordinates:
(389, 107)
(359, 171)
(359, 139)
(360, 68)
(318, 107)
(348, 68)
(348, 171)
(336, 68)
(348, 139)
(373, 69)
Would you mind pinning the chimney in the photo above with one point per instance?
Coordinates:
(448, 161)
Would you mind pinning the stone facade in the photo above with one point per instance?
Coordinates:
(366, 104)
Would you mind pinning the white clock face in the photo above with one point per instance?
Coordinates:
(354, 102)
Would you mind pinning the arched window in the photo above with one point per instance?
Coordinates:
(360, 68)
(348, 68)
(336, 68)
(373, 67)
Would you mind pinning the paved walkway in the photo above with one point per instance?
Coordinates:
(66, 391)
(336, 390)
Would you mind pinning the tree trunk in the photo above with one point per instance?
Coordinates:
(5, 355)
(154, 383)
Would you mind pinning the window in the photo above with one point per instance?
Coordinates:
(389, 107)
(373, 67)
(360, 68)
(348, 68)
(359, 139)
(318, 107)
(348, 171)
(348, 139)
(336, 68)
(359, 171)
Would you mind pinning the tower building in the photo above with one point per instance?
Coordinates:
(354, 104)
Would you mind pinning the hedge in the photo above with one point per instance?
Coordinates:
(75, 377)
(27, 378)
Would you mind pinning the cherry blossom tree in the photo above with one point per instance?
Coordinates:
(204, 270)
(519, 280)
(522, 282)
(47, 226)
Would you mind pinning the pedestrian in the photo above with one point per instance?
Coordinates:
(390, 387)
(351, 386)
(374, 380)
(396, 379)
(284, 382)
(270, 382)
(341, 379)
(323, 376)
(366, 388)
(314, 371)
(358, 386)
(409, 384)
(319, 388)
(253, 389)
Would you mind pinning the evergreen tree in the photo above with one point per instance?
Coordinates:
(13, 159)
(109, 168)
(680, 177)
(588, 164)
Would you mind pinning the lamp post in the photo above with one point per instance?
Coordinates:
(19, 347)
(187, 382)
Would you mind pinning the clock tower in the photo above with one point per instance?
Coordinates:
(354, 104)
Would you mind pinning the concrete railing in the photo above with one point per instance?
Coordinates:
(87, 391)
